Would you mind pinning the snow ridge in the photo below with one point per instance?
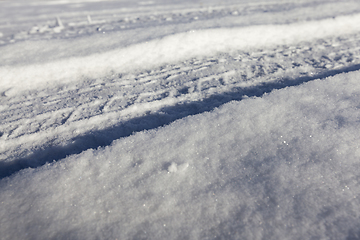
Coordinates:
(162, 51)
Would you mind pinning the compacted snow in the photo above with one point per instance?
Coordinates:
(179, 119)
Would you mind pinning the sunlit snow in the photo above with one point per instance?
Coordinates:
(179, 120)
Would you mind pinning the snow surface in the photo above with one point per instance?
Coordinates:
(179, 120)
(279, 166)
(171, 49)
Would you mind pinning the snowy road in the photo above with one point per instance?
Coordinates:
(170, 106)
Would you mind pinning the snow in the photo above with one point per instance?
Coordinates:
(193, 123)
(277, 166)
(171, 49)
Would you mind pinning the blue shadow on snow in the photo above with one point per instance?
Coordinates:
(167, 115)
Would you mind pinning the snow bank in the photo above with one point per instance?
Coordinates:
(284, 166)
(167, 50)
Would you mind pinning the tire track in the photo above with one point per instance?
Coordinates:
(42, 126)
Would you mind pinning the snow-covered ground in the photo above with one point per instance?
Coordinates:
(179, 119)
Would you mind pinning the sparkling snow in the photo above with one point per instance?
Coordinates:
(179, 120)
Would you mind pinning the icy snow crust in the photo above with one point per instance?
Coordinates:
(168, 120)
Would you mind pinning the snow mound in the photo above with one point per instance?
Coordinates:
(277, 167)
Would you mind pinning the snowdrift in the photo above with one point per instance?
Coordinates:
(276, 167)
